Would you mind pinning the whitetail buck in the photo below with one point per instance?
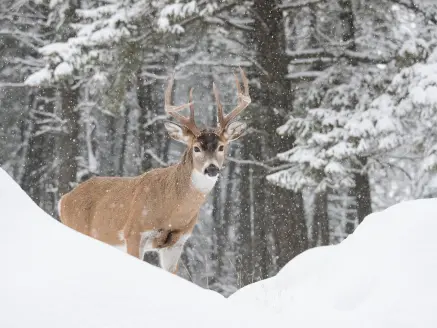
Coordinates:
(158, 209)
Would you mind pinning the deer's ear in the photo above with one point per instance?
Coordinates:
(234, 130)
(178, 132)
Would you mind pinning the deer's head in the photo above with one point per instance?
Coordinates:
(209, 145)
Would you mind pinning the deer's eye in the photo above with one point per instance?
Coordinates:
(221, 148)
(196, 149)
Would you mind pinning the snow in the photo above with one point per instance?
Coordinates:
(383, 275)
(38, 78)
(63, 69)
(52, 276)
(179, 9)
(61, 49)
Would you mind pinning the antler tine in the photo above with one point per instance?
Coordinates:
(188, 122)
(220, 116)
(243, 100)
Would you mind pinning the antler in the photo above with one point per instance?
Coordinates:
(188, 122)
(243, 101)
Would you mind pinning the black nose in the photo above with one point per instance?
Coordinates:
(212, 170)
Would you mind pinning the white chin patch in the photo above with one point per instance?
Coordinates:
(203, 182)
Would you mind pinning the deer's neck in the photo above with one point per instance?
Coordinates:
(202, 182)
(192, 178)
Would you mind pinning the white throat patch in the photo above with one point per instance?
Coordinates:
(202, 182)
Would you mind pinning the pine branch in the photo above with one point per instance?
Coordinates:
(195, 18)
(226, 21)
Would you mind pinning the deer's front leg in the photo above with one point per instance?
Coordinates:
(169, 256)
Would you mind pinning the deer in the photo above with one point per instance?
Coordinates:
(157, 210)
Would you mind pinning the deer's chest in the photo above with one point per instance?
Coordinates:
(167, 216)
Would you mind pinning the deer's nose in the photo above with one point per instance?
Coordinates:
(212, 170)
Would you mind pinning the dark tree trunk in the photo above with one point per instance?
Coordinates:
(362, 193)
(320, 219)
(347, 21)
(244, 263)
(263, 221)
(362, 185)
(112, 139)
(68, 147)
(217, 238)
(351, 212)
(225, 221)
(68, 143)
(279, 212)
(124, 140)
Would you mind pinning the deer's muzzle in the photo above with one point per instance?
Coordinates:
(212, 170)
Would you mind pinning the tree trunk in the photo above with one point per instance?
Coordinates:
(320, 219)
(112, 139)
(347, 21)
(244, 264)
(68, 143)
(124, 140)
(279, 211)
(223, 237)
(351, 212)
(68, 148)
(362, 193)
(362, 185)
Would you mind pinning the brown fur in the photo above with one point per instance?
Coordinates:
(111, 209)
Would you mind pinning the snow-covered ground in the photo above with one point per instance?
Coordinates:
(54, 277)
(384, 275)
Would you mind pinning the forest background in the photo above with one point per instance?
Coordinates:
(342, 121)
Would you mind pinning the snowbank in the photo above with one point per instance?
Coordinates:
(383, 275)
(52, 276)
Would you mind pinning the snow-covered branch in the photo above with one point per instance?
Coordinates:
(298, 4)
(340, 52)
(412, 5)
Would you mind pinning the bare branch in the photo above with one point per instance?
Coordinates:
(156, 158)
(335, 54)
(304, 76)
(155, 119)
(225, 21)
(14, 85)
(250, 162)
(298, 4)
(194, 19)
(270, 169)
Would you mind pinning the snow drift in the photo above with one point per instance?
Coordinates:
(381, 276)
(52, 276)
